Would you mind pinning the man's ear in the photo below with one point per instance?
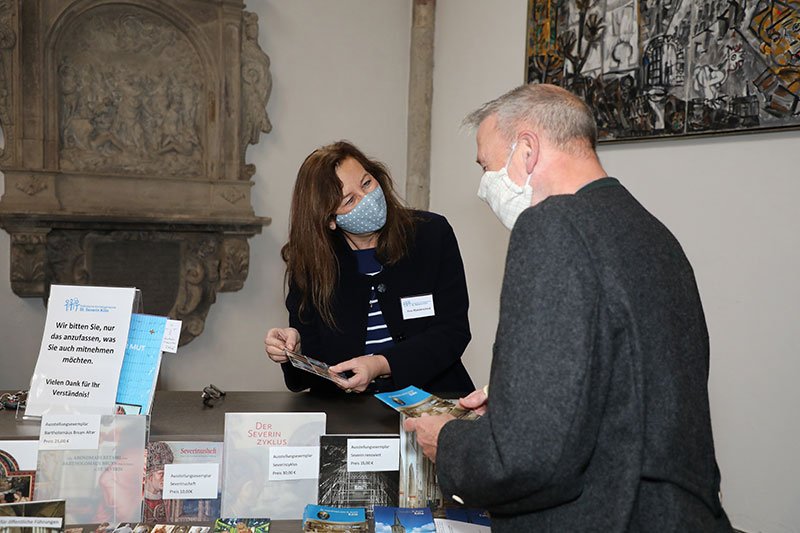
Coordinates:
(529, 142)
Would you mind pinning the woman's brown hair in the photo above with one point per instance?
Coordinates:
(311, 263)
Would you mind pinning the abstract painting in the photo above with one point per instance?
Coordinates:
(667, 68)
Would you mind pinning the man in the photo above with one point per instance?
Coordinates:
(599, 417)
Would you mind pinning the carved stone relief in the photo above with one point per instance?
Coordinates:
(131, 171)
(131, 92)
(8, 39)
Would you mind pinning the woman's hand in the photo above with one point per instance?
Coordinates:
(364, 368)
(280, 339)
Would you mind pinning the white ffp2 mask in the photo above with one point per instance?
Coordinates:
(506, 198)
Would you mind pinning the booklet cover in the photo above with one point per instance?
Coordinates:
(137, 379)
(29, 517)
(398, 519)
(359, 470)
(17, 470)
(157, 508)
(414, 402)
(242, 525)
(322, 518)
(271, 464)
(102, 484)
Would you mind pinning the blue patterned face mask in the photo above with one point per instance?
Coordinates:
(368, 216)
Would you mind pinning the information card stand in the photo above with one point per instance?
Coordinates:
(83, 346)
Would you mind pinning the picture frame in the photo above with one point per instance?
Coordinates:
(653, 69)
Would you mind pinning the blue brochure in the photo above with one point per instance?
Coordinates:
(403, 398)
(472, 516)
(414, 402)
(322, 517)
(137, 379)
(412, 519)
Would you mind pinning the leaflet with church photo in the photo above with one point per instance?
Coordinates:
(403, 519)
(414, 402)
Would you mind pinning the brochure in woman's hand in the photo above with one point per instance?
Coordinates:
(314, 366)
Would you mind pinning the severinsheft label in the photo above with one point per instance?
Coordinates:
(191, 481)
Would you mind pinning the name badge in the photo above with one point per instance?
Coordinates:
(417, 306)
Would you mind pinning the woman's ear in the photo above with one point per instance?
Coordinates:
(332, 223)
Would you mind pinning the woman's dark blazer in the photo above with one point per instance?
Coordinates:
(427, 351)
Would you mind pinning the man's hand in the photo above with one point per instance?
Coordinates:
(280, 339)
(427, 428)
(477, 401)
(364, 368)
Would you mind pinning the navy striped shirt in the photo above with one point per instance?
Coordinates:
(378, 336)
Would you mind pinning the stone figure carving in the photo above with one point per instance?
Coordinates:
(8, 39)
(256, 88)
(130, 115)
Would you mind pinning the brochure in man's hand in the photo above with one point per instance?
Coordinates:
(314, 366)
(414, 402)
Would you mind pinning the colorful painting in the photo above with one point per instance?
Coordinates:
(667, 68)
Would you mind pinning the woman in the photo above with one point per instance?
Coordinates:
(376, 290)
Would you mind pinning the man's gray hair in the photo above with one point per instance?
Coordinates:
(559, 115)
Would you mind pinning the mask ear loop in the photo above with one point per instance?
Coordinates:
(511, 154)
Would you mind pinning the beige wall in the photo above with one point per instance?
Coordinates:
(731, 201)
(341, 71)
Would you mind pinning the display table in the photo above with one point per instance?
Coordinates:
(181, 415)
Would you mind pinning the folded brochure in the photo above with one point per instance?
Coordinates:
(414, 402)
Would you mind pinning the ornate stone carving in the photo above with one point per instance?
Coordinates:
(28, 263)
(256, 88)
(235, 263)
(132, 95)
(8, 40)
(136, 115)
(32, 185)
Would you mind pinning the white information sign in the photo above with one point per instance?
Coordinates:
(69, 432)
(190, 481)
(82, 350)
(293, 462)
(373, 455)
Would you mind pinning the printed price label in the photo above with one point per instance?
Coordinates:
(373, 455)
(191, 481)
(69, 432)
(293, 462)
